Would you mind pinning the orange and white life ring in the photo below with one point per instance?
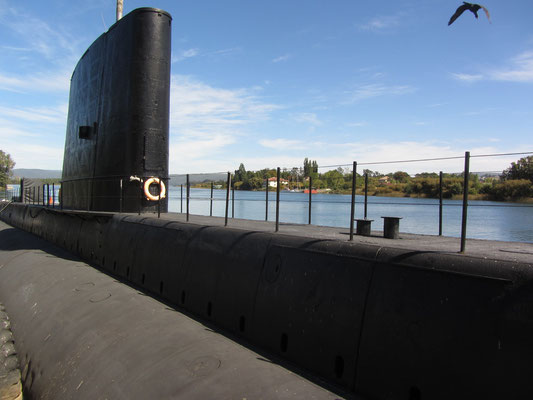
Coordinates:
(162, 189)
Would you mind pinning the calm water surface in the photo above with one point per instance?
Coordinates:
(486, 219)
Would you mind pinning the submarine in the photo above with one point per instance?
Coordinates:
(107, 301)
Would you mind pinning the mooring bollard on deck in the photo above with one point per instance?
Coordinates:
(391, 227)
(363, 227)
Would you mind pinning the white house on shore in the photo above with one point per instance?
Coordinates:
(273, 182)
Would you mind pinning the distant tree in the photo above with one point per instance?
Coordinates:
(240, 174)
(522, 169)
(401, 176)
(371, 174)
(310, 168)
(427, 175)
(6, 165)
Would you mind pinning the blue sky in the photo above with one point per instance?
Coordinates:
(269, 83)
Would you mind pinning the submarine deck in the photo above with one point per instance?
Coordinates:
(477, 248)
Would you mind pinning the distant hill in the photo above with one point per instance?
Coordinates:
(176, 180)
(36, 173)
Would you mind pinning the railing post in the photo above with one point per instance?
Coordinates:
(159, 199)
(47, 195)
(188, 196)
(181, 198)
(366, 194)
(211, 201)
(61, 195)
(121, 204)
(53, 195)
(233, 198)
(228, 184)
(440, 203)
(278, 179)
(310, 196)
(141, 195)
(465, 201)
(352, 210)
(266, 199)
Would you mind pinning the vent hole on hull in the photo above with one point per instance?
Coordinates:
(209, 308)
(242, 323)
(142, 279)
(161, 287)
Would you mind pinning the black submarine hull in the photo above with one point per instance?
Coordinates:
(360, 320)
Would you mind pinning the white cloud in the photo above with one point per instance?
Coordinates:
(57, 115)
(307, 118)
(51, 42)
(467, 77)
(29, 155)
(283, 144)
(381, 23)
(379, 155)
(56, 81)
(204, 120)
(185, 54)
(376, 90)
(356, 124)
(284, 57)
(521, 69)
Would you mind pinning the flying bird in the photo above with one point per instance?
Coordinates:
(468, 6)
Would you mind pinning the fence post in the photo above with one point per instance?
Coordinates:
(440, 203)
(278, 176)
(228, 184)
(465, 201)
(121, 204)
(366, 194)
(266, 199)
(310, 196)
(159, 199)
(188, 195)
(352, 210)
(233, 198)
(211, 201)
(141, 195)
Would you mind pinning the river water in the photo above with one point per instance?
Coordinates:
(486, 219)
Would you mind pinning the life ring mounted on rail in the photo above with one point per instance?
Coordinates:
(162, 189)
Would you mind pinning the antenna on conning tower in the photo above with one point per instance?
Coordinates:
(120, 4)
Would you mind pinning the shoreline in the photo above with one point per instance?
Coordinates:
(476, 197)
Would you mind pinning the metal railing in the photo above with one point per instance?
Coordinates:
(132, 190)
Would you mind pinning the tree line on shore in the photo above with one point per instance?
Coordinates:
(516, 182)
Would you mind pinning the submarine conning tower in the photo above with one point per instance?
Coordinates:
(116, 146)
